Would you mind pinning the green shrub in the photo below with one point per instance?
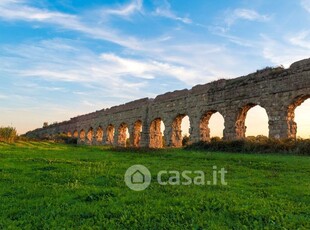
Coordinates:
(23, 138)
(185, 140)
(259, 144)
(63, 138)
(8, 134)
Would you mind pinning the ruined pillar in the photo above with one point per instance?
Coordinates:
(229, 132)
(135, 131)
(111, 135)
(99, 136)
(168, 135)
(281, 123)
(156, 136)
(121, 135)
(173, 132)
(194, 131)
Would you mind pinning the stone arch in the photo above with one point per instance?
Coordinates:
(90, 135)
(136, 133)
(99, 134)
(292, 125)
(240, 127)
(176, 132)
(69, 134)
(122, 134)
(110, 134)
(205, 134)
(75, 134)
(156, 135)
(82, 135)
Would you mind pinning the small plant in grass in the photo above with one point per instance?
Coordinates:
(8, 134)
(185, 140)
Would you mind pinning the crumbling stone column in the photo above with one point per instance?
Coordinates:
(110, 136)
(90, 136)
(135, 137)
(173, 133)
(281, 122)
(121, 135)
(156, 136)
(194, 131)
(229, 132)
(99, 136)
(82, 137)
(145, 134)
(204, 126)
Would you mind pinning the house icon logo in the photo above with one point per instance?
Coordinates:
(137, 177)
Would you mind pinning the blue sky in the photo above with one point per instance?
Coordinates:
(64, 58)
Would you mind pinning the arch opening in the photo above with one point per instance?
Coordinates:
(75, 134)
(211, 125)
(136, 134)
(123, 135)
(82, 135)
(90, 135)
(180, 130)
(252, 120)
(157, 128)
(69, 134)
(99, 134)
(110, 134)
(298, 118)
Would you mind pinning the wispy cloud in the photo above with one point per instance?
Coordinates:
(245, 14)
(301, 39)
(126, 10)
(61, 61)
(222, 32)
(56, 60)
(13, 10)
(286, 51)
(164, 10)
(305, 4)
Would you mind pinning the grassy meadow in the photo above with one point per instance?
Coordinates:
(55, 186)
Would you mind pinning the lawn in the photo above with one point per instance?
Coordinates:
(53, 186)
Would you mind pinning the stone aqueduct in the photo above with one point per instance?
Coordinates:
(279, 91)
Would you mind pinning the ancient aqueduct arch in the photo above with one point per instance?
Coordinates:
(279, 91)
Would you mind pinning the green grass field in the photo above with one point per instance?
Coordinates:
(55, 186)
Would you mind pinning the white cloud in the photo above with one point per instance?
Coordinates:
(6, 2)
(305, 4)
(245, 14)
(165, 11)
(283, 52)
(48, 60)
(127, 10)
(301, 39)
(14, 10)
(3, 96)
(223, 32)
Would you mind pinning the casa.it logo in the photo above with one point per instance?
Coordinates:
(137, 177)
